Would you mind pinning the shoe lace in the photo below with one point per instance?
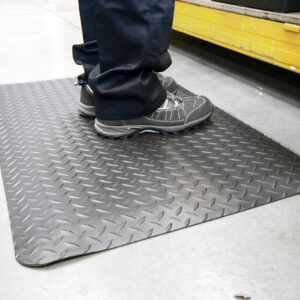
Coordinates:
(172, 98)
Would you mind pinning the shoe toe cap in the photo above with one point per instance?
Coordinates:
(202, 110)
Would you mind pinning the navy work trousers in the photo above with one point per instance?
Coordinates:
(125, 42)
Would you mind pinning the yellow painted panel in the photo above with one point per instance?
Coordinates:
(273, 42)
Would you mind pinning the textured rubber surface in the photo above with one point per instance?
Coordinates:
(70, 192)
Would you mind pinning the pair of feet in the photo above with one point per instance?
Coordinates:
(174, 115)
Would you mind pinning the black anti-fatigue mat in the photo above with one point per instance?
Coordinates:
(70, 192)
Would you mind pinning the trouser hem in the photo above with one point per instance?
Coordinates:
(122, 116)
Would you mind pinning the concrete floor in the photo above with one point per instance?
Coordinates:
(253, 254)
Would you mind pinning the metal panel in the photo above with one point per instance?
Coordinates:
(71, 192)
(293, 18)
(269, 41)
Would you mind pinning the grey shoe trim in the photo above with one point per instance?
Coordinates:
(120, 131)
(87, 110)
(113, 131)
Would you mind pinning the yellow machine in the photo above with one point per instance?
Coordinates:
(270, 37)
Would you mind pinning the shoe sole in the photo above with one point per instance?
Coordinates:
(122, 131)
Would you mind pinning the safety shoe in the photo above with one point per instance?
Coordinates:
(175, 114)
(87, 101)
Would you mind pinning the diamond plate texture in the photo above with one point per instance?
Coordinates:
(70, 192)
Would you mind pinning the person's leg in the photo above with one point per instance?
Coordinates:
(86, 54)
(133, 38)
